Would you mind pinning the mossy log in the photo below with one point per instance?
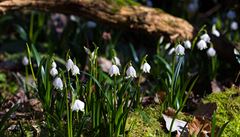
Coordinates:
(134, 17)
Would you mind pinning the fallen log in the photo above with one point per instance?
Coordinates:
(134, 17)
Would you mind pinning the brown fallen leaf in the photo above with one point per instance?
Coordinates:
(199, 126)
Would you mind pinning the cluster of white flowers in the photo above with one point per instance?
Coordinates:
(202, 43)
(130, 72)
(54, 70)
(71, 66)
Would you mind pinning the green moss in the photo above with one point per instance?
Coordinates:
(145, 123)
(228, 108)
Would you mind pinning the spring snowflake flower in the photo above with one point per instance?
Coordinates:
(114, 70)
(187, 44)
(54, 65)
(215, 32)
(75, 70)
(146, 67)
(117, 61)
(167, 46)
(25, 61)
(201, 45)
(69, 64)
(131, 72)
(211, 52)
(234, 25)
(78, 105)
(180, 50)
(171, 51)
(58, 84)
(53, 72)
(205, 37)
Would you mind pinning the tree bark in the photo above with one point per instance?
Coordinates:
(137, 18)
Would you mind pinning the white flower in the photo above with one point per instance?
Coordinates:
(25, 61)
(187, 44)
(215, 32)
(167, 46)
(171, 51)
(57, 83)
(114, 70)
(236, 52)
(75, 70)
(78, 105)
(131, 72)
(53, 72)
(192, 7)
(54, 65)
(205, 37)
(146, 67)
(69, 64)
(201, 45)
(234, 25)
(91, 24)
(211, 52)
(117, 61)
(180, 50)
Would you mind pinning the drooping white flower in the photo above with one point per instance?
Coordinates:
(171, 51)
(57, 83)
(192, 7)
(167, 46)
(91, 24)
(236, 52)
(117, 61)
(114, 70)
(25, 61)
(215, 32)
(53, 72)
(211, 52)
(146, 67)
(187, 44)
(231, 14)
(234, 25)
(75, 70)
(54, 65)
(69, 64)
(201, 45)
(180, 50)
(131, 72)
(205, 37)
(78, 105)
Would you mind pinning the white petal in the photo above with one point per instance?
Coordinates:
(69, 64)
(25, 61)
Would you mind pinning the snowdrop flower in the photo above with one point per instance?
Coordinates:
(117, 61)
(53, 72)
(236, 52)
(131, 72)
(146, 67)
(114, 70)
(69, 64)
(57, 83)
(171, 51)
(180, 50)
(187, 44)
(54, 65)
(167, 46)
(75, 70)
(211, 52)
(192, 7)
(231, 14)
(215, 32)
(25, 61)
(78, 105)
(234, 25)
(205, 37)
(201, 45)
